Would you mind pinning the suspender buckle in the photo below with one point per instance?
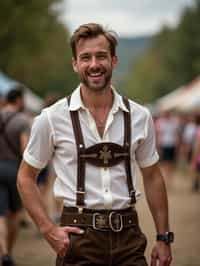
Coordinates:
(80, 209)
(80, 192)
(132, 193)
(133, 198)
(80, 200)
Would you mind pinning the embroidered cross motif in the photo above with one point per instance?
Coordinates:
(105, 154)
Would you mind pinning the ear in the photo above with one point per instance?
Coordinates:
(115, 60)
(74, 65)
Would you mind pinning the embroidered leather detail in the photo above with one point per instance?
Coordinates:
(105, 154)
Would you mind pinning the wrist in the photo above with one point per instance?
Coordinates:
(166, 237)
(46, 228)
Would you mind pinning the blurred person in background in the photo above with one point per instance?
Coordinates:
(14, 132)
(195, 162)
(95, 138)
(168, 134)
(188, 138)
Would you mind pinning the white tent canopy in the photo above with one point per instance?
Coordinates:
(191, 100)
(169, 101)
(185, 99)
(5, 83)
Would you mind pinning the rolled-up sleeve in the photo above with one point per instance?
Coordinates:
(146, 152)
(40, 146)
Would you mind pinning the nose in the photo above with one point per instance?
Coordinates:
(94, 62)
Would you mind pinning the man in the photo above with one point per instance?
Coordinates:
(168, 129)
(14, 131)
(96, 137)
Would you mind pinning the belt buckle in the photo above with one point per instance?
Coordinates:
(115, 221)
(99, 221)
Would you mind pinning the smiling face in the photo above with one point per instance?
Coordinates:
(94, 63)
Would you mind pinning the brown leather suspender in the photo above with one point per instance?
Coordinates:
(105, 154)
(127, 145)
(80, 191)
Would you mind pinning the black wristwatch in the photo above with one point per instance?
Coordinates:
(167, 237)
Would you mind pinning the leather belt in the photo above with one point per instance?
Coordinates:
(103, 220)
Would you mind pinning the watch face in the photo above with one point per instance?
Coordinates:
(167, 237)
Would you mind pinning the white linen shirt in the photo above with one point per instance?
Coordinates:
(52, 136)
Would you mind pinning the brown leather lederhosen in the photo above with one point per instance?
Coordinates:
(104, 154)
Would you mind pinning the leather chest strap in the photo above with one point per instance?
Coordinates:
(127, 145)
(80, 188)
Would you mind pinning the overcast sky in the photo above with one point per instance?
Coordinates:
(126, 17)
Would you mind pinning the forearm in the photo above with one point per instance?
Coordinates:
(157, 199)
(56, 236)
(32, 199)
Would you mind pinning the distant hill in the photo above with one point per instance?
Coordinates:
(128, 50)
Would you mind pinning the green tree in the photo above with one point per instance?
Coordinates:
(34, 45)
(172, 61)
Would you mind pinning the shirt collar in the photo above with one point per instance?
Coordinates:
(118, 102)
(76, 102)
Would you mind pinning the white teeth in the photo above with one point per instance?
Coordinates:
(95, 74)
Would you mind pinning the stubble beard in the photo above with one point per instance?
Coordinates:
(97, 87)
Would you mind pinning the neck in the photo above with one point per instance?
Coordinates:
(97, 100)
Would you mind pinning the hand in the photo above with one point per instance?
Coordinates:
(161, 254)
(58, 237)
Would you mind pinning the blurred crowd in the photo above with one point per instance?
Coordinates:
(178, 143)
(15, 124)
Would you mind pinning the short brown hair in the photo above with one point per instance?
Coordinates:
(92, 30)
